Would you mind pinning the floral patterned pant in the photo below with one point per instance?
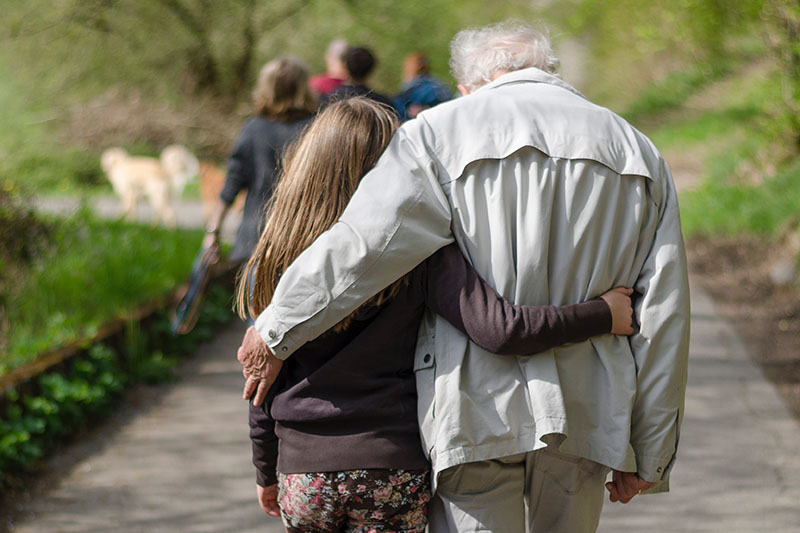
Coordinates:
(357, 501)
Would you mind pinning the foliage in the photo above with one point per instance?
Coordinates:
(30, 153)
(783, 35)
(762, 209)
(23, 238)
(62, 403)
(672, 91)
(201, 46)
(94, 271)
(643, 42)
(206, 46)
(750, 177)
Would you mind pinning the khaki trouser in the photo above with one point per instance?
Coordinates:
(530, 492)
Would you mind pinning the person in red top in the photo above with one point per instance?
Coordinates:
(336, 71)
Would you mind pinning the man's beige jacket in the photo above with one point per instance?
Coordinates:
(554, 200)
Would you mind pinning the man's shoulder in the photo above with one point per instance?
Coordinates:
(494, 123)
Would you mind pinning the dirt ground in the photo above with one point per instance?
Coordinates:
(767, 317)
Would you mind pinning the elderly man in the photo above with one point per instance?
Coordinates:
(554, 200)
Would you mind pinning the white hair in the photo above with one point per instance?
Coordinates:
(476, 54)
(336, 49)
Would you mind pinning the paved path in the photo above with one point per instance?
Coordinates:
(183, 464)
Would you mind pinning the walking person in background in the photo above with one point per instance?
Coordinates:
(343, 411)
(335, 71)
(420, 89)
(360, 62)
(554, 200)
(283, 106)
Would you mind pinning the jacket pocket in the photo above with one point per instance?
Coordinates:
(425, 374)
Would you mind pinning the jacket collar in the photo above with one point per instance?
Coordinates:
(530, 75)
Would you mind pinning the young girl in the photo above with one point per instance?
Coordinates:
(336, 444)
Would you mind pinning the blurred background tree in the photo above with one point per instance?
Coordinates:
(87, 74)
(187, 66)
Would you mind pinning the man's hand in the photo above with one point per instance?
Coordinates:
(625, 486)
(261, 367)
(268, 499)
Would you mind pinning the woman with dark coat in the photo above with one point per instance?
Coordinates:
(283, 106)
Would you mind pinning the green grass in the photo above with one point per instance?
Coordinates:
(673, 91)
(94, 271)
(719, 208)
(750, 181)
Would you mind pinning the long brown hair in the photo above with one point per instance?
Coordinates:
(282, 91)
(321, 170)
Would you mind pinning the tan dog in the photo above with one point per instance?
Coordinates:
(133, 177)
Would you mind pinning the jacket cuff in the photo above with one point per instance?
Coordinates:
(271, 329)
(656, 470)
(266, 479)
(599, 316)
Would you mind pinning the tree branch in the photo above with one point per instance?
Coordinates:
(205, 63)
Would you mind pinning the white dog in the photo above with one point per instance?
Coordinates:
(180, 165)
(132, 177)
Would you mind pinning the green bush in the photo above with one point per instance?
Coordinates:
(94, 271)
(33, 424)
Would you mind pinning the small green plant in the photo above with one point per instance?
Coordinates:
(32, 424)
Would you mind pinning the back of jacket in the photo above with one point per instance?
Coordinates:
(556, 200)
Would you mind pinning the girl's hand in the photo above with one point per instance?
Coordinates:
(268, 499)
(619, 301)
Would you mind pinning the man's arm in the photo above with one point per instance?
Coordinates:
(397, 217)
(661, 346)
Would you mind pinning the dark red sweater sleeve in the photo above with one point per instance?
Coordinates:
(454, 290)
